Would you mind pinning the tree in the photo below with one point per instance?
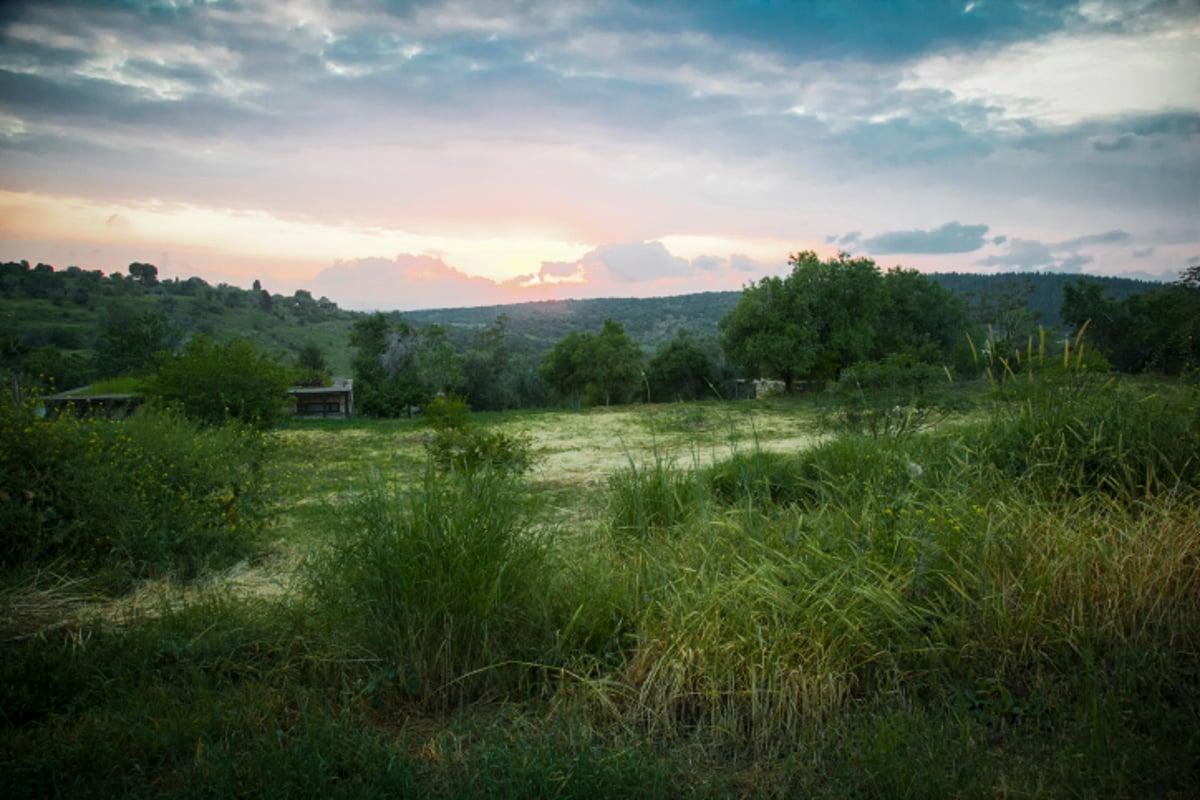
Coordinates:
(485, 366)
(145, 274)
(604, 365)
(920, 317)
(845, 299)
(614, 363)
(397, 366)
(564, 368)
(819, 319)
(1005, 311)
(681, 369)
(216, 382)
(769, 334)
(311, 357)
(129, 342)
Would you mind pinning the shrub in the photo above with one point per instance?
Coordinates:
(1070, 436)
(216, 382)
(458, 445)
(896, 397)
(151, 493)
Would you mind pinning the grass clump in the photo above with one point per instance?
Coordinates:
(441, 586)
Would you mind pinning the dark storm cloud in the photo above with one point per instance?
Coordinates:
(953, 237)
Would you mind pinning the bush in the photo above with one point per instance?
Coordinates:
(458, 445)
(896, 397)
(148, 494)
(216, 382)
(1070, 436)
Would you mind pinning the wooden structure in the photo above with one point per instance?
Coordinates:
(335, 400)
(79, 401)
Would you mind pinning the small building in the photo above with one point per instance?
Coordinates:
(335, 400)
(114, 405)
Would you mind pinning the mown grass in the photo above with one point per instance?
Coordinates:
(1007, 605)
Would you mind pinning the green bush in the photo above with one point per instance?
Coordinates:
(216, 382)
(459, 445)
(151, 493)
(896, 397)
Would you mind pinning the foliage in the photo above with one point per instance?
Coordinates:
(397, 366)
(896, 396)
(130, 342)
(215, 382)
(144, 495)
(458, 445)
(584, 366)
(826, 315)
(682, 369)
(1157, 330)
(488, 375)
(845, 627)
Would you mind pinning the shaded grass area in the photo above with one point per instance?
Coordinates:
(1009, 606)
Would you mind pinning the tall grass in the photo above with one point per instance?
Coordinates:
(988, 609)
(441, 585)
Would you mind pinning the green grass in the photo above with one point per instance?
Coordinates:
(678, 601)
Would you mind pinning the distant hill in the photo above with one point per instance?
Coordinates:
(1047, 288)
(538, 325)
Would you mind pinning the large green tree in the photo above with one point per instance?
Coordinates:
(398, 365)
(129, 341)
(605, 366)
(829, 314)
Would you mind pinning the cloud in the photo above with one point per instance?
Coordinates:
(410, 282)
(1029, 254)
(1074, 264)
(637, 262)
(952, 237)
(1108, 237)
(1123, 142)
(1144, 252)
(406, 282)
(1022, 254)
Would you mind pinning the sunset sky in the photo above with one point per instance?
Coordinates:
(403, 155)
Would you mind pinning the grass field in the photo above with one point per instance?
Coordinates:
(699, 600)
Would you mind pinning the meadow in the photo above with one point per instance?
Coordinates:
(774, 598)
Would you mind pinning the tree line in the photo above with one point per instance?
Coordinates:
(809, 325)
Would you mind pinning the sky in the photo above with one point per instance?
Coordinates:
(404, 154)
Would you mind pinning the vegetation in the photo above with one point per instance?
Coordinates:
(604, 366)
(827, 315)
(216, 382)
(1002, 603)
(132, 498)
